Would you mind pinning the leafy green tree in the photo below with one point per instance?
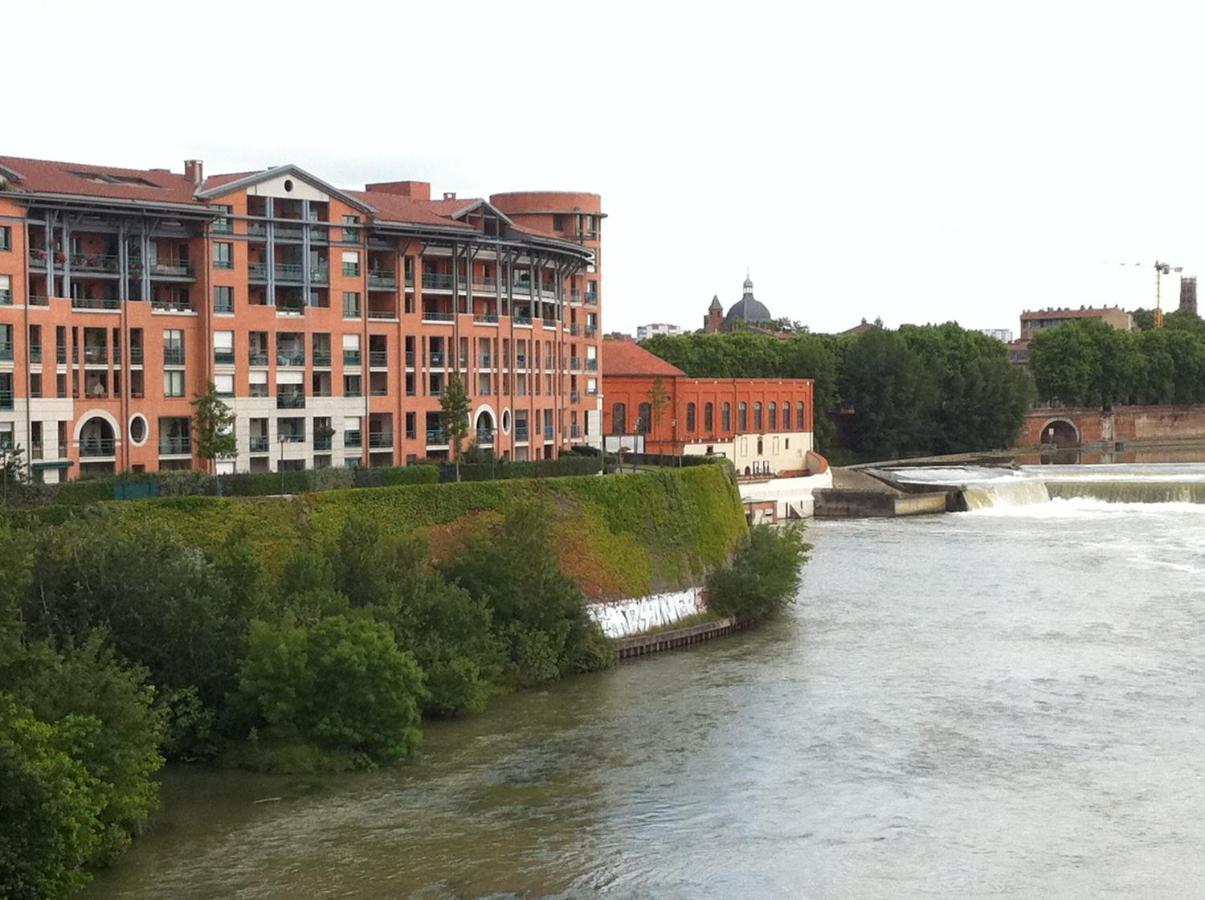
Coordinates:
(213, 428)
(891, 396)
(539, 613)
(658, 397)
(49, 804)
(763, 575)
(13, 471)
(340, 683)
(454, 416)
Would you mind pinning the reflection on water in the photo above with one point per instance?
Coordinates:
(1004, 701)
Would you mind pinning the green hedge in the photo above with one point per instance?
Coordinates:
(620, 535)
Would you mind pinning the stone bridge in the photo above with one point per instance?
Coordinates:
(1071, 426)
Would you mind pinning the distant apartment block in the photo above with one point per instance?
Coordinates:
(644, 332)
(1000, 334)
(330, 320)
(1033, 321)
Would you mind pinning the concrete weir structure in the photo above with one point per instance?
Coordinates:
(872, 494)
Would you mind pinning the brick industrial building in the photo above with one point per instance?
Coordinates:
(764, 425)
(331, 320)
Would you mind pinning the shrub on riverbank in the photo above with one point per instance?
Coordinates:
(763, 575)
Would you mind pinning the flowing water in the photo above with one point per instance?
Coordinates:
(1004, 702)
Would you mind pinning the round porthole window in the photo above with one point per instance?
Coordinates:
(506, 421)
(288, 185)
(138, 429)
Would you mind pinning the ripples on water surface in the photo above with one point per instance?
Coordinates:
(1001, 702)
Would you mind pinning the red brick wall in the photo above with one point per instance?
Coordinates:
(1128, 423)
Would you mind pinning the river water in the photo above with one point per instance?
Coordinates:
(1006, 702)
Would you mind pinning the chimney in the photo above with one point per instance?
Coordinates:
(415, 190)
(194, 171)
(449, 195)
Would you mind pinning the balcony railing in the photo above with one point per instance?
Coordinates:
(549, 322)
(410, 359)
(380, 439)
(378, 390)
(257, 271)
(173, 356)
(259, 443)
(322, 359)
(520, 432)
(575, 362)
(95, 303)
(257, 357)
(381, 313)
(320, 234)
(135, 356)
(591, 299)
(322, 442)
(97, 446)
(592, 365)
(52, 450)
(35, 353)
(320, 275)
(223, 357)
(6, 297)
(175, 446)
(6, 398)
(485, 435)
(171, 305)
(290, 400)
(548, 432)
(285, 357)
(378, 358)
(172, 268)
(437, 357)
(93, 262)
(436, 436)
(383, 279)
(291, 437)
(290, 272)
(351, 357)
(38, 300)
(431, 315)
(288, 232)
(257, 229)
(289, 308)
(223, 306)
(575, 396)
(437, 281)
(484, 361)
(351, 438)
(488, 318)
(96, 355)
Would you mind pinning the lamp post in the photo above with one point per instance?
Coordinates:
(280, 464)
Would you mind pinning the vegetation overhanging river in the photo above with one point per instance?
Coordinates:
(1006, 700)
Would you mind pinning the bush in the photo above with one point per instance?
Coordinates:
(763, 575)
(340, 683)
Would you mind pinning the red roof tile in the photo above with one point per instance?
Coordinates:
(80, 179)
(451, 207)
(215, 181)
(627, 358)
(396, 208)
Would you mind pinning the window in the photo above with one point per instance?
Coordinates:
(645, 420)
(709, 417)
(742, 416)
(6, 237)
(619, 418)
(173, 347)
(558, 222)
(690, 417)
(224, 385)
(173, 383)
(351, 304)
(757, 416)
(773, 416)
(223, 255)
(223, 347)
(222, 225)
(6, 290)
(726, 417)
(223, 299)
(799, 416)
(350, 232)
(351, 386)
(258, 383)
(786, 416)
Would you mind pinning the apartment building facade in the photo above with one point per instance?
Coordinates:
(329, 320)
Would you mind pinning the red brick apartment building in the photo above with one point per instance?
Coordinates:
(331, 320)
(764, 425)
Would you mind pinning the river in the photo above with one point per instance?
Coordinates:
(1006, 701)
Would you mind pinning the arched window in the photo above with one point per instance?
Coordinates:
(786, 416)
(619, 418)
(645, 424)
(726, 416)
(757, 416)
(690, 417)
(802, 426)
(709, 417)
(773, 416)
(760, 450)
(742, 416)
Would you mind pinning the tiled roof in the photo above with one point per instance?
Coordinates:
(628, 358)
(214, 181)
(451, 207)
(81, 179)
(396, 208)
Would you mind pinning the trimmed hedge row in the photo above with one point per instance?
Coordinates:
(619, 535)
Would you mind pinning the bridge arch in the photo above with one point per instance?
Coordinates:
(1060, 432)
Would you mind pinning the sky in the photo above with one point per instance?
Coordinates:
(917, 162)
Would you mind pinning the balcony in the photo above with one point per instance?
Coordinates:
(289, 308)
(291, 437)
(257, 357)
(520, 432)
(436, 437)
(257, 229)
(173, 356)
(38, 300)
(575, 363)
(91, 447)
(378, 359)
(573, 328)
(171, 268)
(92, 262)
(175, 446)
(351, 439)
(382, 279)
(486, 318)
(320, 275)
(38, 450)
(37, 258)
(176, 305)
(223, 357)
(223, 306)
(288, 273)
(380, 440)
(257, 271)
(591, 299)
(522, 320)
(592, 365)
(430, 315)
(438, 357)
(95, 303)
(351, 357)
(96, 356)
(381, 313)
(294, 358)
(135, 356)
(259, 443)
(437, 281)
(549, 323)
(590, 331)
(322, 359)
(322, 442)
(548, 433)
(485, 436)
(290, 400)
(288, 232)
(320, 234)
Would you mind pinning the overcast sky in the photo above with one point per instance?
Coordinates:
(914, 161)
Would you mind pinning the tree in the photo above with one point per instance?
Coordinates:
(213, 428)
(891, 396)
(454, 416)
(658, 400)
(12, 470)
(763, 575)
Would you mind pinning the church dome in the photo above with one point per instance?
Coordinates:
(748, 308)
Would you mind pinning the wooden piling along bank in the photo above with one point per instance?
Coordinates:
(674, 638)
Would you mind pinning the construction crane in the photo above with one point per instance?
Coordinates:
(1161, 269)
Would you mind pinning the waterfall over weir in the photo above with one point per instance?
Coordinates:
(988, 488)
